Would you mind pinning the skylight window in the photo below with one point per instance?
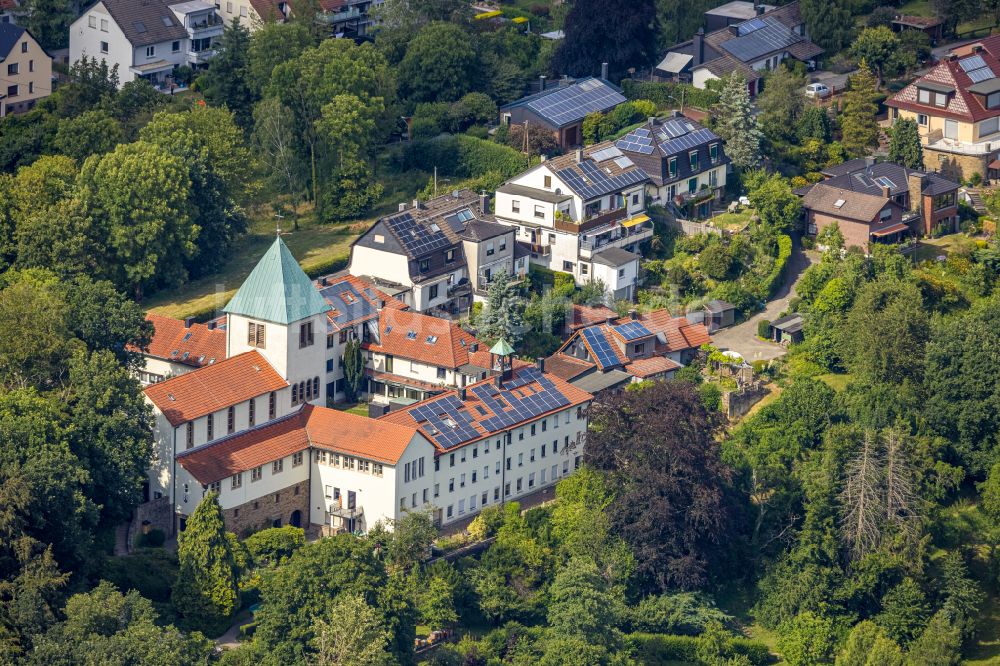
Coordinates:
(411, 335)
(838, 203)
(431, 339)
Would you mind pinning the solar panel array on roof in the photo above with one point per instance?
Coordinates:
(624, 162)
(752, 25)
(510, 408)
(772, 36)
(450, 426)
(416, 239)
(601, 347)
(605, 154)
(633, 330)
(347, 301)
(675, 127)
(637, 141)
(569, 103)
(594, 182)
(885, 182)
(976, 69)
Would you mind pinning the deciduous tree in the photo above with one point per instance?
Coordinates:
(876, 46)
(621, 33)
(350, 634)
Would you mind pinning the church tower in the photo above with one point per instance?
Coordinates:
(279, 313)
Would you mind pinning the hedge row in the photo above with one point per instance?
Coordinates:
(662, 648)
(463, 156)
(780, 264)
(670, 93)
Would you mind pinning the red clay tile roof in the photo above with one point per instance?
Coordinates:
(652, 366)
(566, 367)
(214, 387)
(479, 411)
(585, 315)
(196, 346)
(405, 334)
(310, 426)
(678, 331)
(963, 105)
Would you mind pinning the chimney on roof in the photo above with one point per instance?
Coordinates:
(634, 314)
(541, 82)
(461, 394)
(188, 321)
(484, 202)
(579, 155)
(610, 320)
(211, 325)
(604, 71)
(402, 206)
(886, 191)
(915, 181)
(540, 364)
(325, 281)
(474, 347)
(652, 121)
(381, 304)
(869, 161)
(734, 29)
(758, 7)
(498, 380)
(977, 48)
(699, 47)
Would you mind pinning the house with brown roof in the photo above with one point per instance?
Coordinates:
(751, 47)
(642, 346)
(880, 202)
(956, 107)
(147, 39)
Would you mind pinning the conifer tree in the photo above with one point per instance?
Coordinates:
(904, 144)
(858, 125)
(501, 316)
(206, 592)
(737, 124)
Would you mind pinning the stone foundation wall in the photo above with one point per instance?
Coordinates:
(953, 166)
(156, 514)
(266, 511)
(738, 403)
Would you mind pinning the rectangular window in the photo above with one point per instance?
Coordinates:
(506, 489)
(543, 450)
(692, 185)
(211, 427)
(950, 129)
(541, 476)
(520, 460)
(306, 338)
(555, 472)
(922, 120)
(104, 47)
(252, 411)
(451, 460)
(449, 510)
(547, 180)
(486, 472)
(175, 46)
(490, 249)
(451, 485)
(531, 480)
(229, 7)
(461, 481)
(540, 212)
(433, 292)
(988, 127)
(421, 466)
(940, 99)
(256, 473)
(640, 348)
(515, 206)
(255, 335)
(278, 466)
(104, 25)
(243, 12)
(461, 506)
(215, 487)
(924, 96)
(437, 489)
(474, 476)
(238, 480)
(693, 156)
(31, 65)
(230, 420)
(425, 265)
(296, 459)
(424, 495)
(672, 167)
(406, 473)
(713, 152)
(532, 458)
(441, 373)
(150, 51)
(272, 402)
(449, 256)
(377, 469)
(92, 21)
(519, 485)
(190, 434)
(12, 69)
(496, 494)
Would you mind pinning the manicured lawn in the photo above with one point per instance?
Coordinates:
(732, 221)
(314, 245)
(917, 8)
(360, 408)
(932, 248)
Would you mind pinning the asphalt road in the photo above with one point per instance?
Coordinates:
(743, 338)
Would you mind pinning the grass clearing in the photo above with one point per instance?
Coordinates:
(838, 382)
(359, 408)
(917, 8)
(732, 221)
(313, 245)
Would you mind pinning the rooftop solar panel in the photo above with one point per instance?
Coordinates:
(624, 162)
(347, 301)
(747, 27)
(605, 154)
(569, 103)
(772, 36)
(981, 74)
(601, 347)
(633, 330)
(969, 64)
(417, 239)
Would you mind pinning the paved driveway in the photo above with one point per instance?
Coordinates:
(743, 337)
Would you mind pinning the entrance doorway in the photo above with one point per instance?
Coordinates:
(296, 519)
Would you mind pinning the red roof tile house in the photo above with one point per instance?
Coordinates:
(611, 355)
(180, 346)
(957, 109)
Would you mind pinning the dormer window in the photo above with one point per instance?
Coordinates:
(993, 100)
(425, 265)
(693, 155)
(672, 167)
(449, 256)
(713, 152)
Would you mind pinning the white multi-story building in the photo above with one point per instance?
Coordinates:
(583, 214)
(146, 38)
(253, 427)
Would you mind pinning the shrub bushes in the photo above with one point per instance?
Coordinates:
(666, 94)
(661, 648)
(463, 156)
(151, 572)
(763, 329)
(271, 546)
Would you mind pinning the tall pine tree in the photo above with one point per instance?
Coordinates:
(501, 316)
(737, 124)
(206, 592)
(904, 144)
(858, 126)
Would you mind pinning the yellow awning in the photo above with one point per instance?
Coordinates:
(638, 219)
(519, 19)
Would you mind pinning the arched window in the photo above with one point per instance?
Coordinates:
(295, 394)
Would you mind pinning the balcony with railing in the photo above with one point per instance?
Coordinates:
(634, 230)
(198, 26)
(593, 221)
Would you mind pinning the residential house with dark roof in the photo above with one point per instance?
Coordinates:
(421, 253)
(147, 39)
(751, 47)
(956, 106)
(880, 202)
(642, 346)
(562, 107)
(686, 164)
(733, 13)
(498, 440)
(582, 214)
(27, 67)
